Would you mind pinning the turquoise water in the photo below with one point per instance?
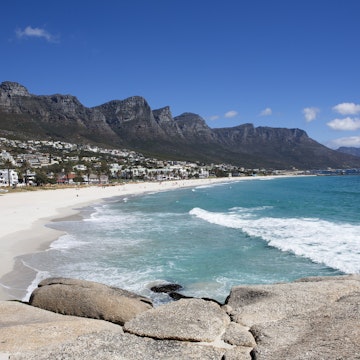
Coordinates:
(213, 237)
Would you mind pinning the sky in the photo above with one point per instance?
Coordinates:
(277, 63)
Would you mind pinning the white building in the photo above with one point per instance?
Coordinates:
(6, 175)
(115, 169)
(6, 156)
(80, 167)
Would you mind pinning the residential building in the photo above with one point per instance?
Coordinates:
(7, 175)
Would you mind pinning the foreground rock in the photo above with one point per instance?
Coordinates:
(24, 328)
(313, 318)
(109, 346)
(186, 320)
(29, 333)
(88, 299)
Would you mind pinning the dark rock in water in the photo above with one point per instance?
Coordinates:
(171, 290)
(177, 296)
(88, 299)
(166, 288)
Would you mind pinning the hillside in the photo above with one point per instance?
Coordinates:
(349, 150)
(132, 124)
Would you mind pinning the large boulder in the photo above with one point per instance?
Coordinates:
(110, 346)
(186, 320)
(88, 299)
(312, 318)
(254, 304)
(30, 333)
(330, 332)
(25, 328)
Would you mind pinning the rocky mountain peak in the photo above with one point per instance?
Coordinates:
(194, 127)
(131, 123)
(66, 103)
(121, 111)
(163, 115)
(189, 118)
(10, 89)
(135, 101)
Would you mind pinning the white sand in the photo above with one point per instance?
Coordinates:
(24, 216)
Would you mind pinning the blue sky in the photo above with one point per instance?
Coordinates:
(278, 63)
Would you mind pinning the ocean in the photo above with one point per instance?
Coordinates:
(210, 238)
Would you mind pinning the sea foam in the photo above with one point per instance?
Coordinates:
(336, 245)
(66, 242)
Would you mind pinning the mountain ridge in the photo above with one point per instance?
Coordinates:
(131, 123)
(349, 150)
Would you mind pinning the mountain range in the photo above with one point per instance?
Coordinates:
(132, 124)
(349, 150)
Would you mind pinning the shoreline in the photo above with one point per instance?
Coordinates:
(25, 216)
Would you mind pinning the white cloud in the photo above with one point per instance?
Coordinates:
(214, 117)
(36, 33)
(347, 108)
(352, 141)
(310, 113)
(346, 124)
(266, 112)
(231, 114)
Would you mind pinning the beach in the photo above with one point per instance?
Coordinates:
(24, 216)
(255, 318)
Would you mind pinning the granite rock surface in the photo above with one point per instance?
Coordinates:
(313, 318)
(88, 299)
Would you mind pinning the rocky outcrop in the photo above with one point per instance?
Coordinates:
(195, 128)
(30, 333)
(25, 328)
(185, 320)
(110, 346)
(236, 334)
(329, 332)
(88, 299)
(10, 89)
(163, 115)
(313, 318)
(50, 116)
(131, 123)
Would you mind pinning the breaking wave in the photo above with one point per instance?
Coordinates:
(336, 245)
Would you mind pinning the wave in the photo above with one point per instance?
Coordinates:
(66, 242)
(336, 245)
(208, 186)
(40, 275)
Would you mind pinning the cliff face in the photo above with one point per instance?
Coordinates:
(131, 119)
(133, 124)
(55, 116)
(9, 91)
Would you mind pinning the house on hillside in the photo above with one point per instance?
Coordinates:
(96, 179)
(66, 178)
(7, 175)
